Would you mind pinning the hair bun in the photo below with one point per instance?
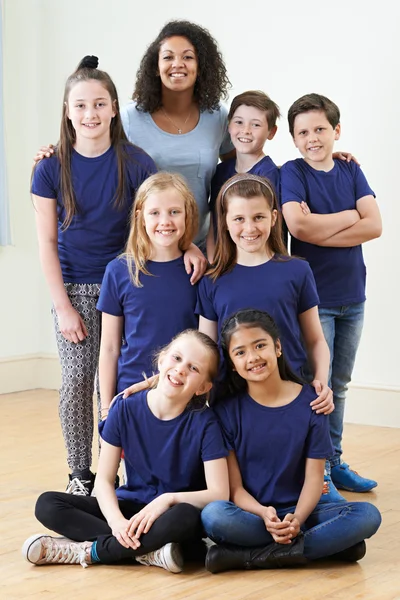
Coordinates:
(88, 62)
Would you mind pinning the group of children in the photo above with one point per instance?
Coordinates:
(248, 472)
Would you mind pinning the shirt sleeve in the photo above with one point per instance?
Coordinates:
(361, 184)
(109, 429)
(226, 144)
(292, 184)
(204, 304)
(43, 180)
(308, 297)
(318, 442)
(213, 446)
(110, 300)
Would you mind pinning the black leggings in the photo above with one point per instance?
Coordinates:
(79, 518)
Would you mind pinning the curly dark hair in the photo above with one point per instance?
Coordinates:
(212, 81)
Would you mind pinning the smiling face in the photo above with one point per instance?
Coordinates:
(177, 64)
(164, 219)
(249, 130)
(90, 109)
(314, 136)
(185, 369)
(254, 354)
(249, 222)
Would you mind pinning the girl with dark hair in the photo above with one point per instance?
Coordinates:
(252, 268)
(278, 447)
(83, 196)
(176, 464)
(176, 115)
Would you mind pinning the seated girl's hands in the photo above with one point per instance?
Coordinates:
(71, 325)
(120, 530)
(195, 261)
(138, 387)
(293, 524)
(347, 156)
(278, 530)
(324, 403)
(143, 520)
(44, 152)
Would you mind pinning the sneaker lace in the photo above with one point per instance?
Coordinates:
(78, 487)
(66, 552)
(155, 559)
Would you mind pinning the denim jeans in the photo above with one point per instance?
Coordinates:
(342, 326)
(330, 528)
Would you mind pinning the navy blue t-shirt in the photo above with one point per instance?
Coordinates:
(227, 169)
(162, 456)
(98, 233)
(272, 444)
(339, 272)
(284, 288)
(153, 314)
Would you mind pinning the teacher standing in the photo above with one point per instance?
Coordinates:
(176, 116)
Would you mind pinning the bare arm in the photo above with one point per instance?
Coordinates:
(313, 228)
(367, 228)
(314, 339)
(105, 493)
(210, 242)
(319, 358)
(216, 473)
(312, 488)
(239, 495)
(70, 322)
(209, 327)
(110, 347)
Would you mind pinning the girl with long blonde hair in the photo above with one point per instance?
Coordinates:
(147, 297)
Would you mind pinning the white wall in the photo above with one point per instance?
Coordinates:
(348, 51)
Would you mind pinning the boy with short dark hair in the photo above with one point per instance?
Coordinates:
(251, 122)
(330, 210)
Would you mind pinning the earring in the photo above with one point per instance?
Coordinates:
(279, 353)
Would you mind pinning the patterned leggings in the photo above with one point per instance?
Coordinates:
(79, 364)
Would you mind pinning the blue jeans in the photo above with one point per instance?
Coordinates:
(330, 528)
(342, 326)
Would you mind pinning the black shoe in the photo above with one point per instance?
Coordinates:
(273, 556)
(79, 486)
(352, 554)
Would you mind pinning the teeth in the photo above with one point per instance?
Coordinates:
(90, 125)
(249, 239)
(165, 233)
(173, 380)
(245, 140)
(177, 75)
(257, 368)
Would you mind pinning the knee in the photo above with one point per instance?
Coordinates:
(44, 508)
(369, 519)
(373, 519)
(214, 515)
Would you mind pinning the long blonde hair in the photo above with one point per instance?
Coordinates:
(138, 246)
(246, 186)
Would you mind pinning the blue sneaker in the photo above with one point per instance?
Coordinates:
(329, 492)
(346, 479)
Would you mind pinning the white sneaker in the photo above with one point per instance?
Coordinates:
(43, 549)
(167, 557)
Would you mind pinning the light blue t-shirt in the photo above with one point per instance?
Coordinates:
(193, 155)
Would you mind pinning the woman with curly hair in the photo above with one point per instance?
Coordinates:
(176, 116)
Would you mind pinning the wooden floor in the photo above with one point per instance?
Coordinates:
(33, 460)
